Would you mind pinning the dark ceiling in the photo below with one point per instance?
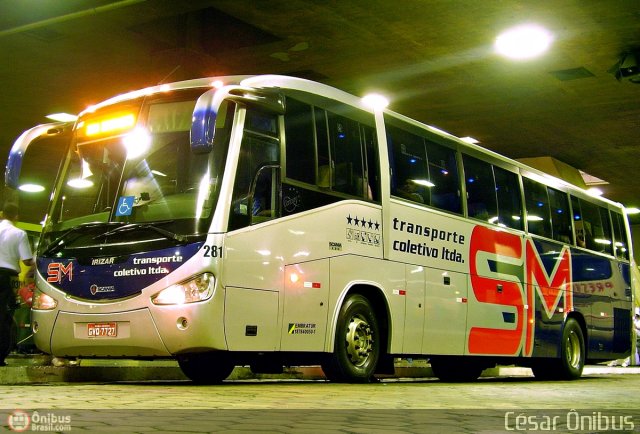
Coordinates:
(433, 59)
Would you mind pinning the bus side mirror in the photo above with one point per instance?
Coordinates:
(20, 146)
(203, 125)
(205, 114)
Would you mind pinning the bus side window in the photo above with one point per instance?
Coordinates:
(481, 190)
(606, 242)
(596, 227)
(443, 174)
(560, 216)
(260, 146)
(300, 142)
(537, 204)
(619, 236)
(578, 223)
(346, 153)
(509, 200)
(265, 193)
(410, 178)
(371, 182)
(422, 171)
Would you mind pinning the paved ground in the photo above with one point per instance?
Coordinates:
(604, 400)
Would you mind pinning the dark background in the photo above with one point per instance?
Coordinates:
(433, 59)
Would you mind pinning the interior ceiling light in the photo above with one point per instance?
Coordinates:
(632, 210)
(523, 42)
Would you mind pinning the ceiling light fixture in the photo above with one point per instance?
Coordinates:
(629, 67)
(594, 191)
(470, 140)
(375, 101)
(62, 117)
(523, 42)
(31, 188)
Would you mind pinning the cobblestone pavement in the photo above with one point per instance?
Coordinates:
(425, 405)
(615, 391)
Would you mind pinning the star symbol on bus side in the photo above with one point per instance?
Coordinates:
(349, 219)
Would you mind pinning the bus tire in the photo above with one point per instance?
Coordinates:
(357, 343)
(206, 368)
(572, 356)
(455, 369)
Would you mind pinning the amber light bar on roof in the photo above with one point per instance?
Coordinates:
(95, 127)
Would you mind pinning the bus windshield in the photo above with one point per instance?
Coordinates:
(147, 175)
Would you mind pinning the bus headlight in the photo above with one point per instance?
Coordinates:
(42, 301)
(197, 289)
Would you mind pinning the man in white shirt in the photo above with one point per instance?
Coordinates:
(14, 248)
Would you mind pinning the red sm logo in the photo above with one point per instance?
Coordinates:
(56, 271)
(507, 271)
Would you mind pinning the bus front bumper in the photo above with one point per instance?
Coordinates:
(124, 334)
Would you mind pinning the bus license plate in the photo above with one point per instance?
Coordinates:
(102, 329)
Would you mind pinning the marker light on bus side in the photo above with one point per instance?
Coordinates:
(199, 288)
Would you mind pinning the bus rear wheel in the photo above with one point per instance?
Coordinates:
(357, 345)
(572, 356)
(206, 368)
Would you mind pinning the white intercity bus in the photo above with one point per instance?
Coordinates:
(273, 221)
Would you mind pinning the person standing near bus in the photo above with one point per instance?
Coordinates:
(14, 248)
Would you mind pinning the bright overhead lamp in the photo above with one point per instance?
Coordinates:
(79, 183)
(31, 188)
(632, 210)
(595, 191)
(62, 117)
(470, 140)
(523, 42)
(375, 101)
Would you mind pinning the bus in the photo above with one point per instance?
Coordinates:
(273, 221)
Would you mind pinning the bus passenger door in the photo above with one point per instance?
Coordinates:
(445, 312)
(306, 296)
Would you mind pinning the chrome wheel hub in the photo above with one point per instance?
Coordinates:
(359, 341)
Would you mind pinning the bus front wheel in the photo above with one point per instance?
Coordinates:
(357, 345)
(206, 368)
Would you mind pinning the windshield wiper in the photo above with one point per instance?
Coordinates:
(134, 226)
(59, 242)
